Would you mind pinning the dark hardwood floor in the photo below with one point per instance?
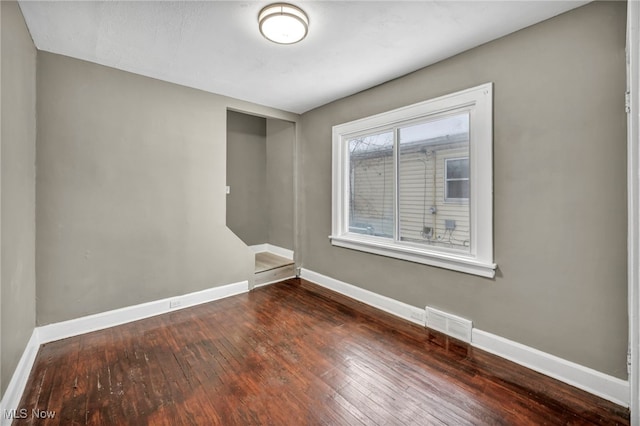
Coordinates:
(292, 353)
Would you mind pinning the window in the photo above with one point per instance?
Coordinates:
(371, 174)
(456, 179)
(416, 183)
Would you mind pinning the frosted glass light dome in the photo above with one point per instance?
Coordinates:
(283, 23)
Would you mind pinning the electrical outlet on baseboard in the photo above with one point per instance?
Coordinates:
(176, 303)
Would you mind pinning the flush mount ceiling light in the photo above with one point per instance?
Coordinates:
(283, 23)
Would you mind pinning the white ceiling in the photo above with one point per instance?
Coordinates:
(216, 46)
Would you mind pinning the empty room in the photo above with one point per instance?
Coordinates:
(319, 212)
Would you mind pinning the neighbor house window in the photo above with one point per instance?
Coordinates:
(415, 183)
(456, 179)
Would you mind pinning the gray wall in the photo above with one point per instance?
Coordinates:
(18, 154)
(130, 190)
(279, 177)
(246, 175)
(560, 189)
(260, 207)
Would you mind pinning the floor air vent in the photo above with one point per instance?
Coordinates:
(451, 325)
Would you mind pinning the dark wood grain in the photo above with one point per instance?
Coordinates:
(292, 353)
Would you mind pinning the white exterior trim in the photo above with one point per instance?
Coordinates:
(261, 248)
(592, 381)
(75, 327)
(479, 103)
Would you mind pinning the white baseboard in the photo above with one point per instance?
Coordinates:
(592, 381)
(585, 378)
(259, 248)
(14, 391)
(75, 327)
(384, 303)
(273, 282)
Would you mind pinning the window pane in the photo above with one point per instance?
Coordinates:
(371, 177)
(457, 179)
(458, 169)
(458, 189)
(426, 214)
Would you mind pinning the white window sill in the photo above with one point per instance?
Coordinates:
(451, 261)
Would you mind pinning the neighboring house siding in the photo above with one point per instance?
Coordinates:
(421, 190)
(372, 194)
(423, 208)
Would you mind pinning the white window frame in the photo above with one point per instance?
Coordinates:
(478, 102)
(448, 199)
